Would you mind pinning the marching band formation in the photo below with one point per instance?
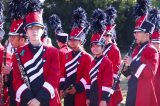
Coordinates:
(38, 74)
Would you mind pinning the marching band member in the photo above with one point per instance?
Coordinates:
(17, 38)
(5, 60)
(143, 64)
(154, 17)
(112, 51)
(61, 39)
(36, 84)
(101, 70)
(75, 76)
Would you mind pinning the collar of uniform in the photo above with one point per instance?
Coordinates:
(142, 44)
(108, 45)
(34, 46)
(65, 45)
(98, 58)
(74, 53)
(34, 49)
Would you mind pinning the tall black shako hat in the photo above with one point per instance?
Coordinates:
(56, 25)
(111, 14)
(34, 11)
(80, 25)
(141, 13)
(98, 27)
(17, 18)
(154, 17)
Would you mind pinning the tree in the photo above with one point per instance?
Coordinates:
(64, 8)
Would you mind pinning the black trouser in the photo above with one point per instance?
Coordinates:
(11, 92)
(94, 94)
(132, 90)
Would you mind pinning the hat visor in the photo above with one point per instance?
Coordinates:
(75, 38)
(139, 30)
(13, 34)
(155, 41)
(108, 34)
(97, 43)
(34, 24)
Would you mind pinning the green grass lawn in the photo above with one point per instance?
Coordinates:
(123, 85)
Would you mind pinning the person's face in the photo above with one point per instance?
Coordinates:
(96, 49)
(60, 44)
(73, 43)
(139, 37)
(156, 45)
(107, 39)
(34, 33)
(14, 40)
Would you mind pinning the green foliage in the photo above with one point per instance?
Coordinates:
(64, 9)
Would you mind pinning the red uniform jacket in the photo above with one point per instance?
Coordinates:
(8, 62)
(101, 80)
(113, 53)
(62, 55)
(144, 69)
(76, 73)
(157, 83)
(43, 72)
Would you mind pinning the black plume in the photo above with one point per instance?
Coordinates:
(31, 6)
(79, 18)
(15, 9)
(55, 23)
(98, 20)
(87, 27)
(142, 7)
(1, 12)
(154, 17)
(111, 14)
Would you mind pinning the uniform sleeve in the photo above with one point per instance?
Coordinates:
(115, 58)
(7, 81)
(52, 75)
(62, 71)
(23, 94)
(127, 70)
(81, 85)
(107, 81)
(148, 64)
(88, 85)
